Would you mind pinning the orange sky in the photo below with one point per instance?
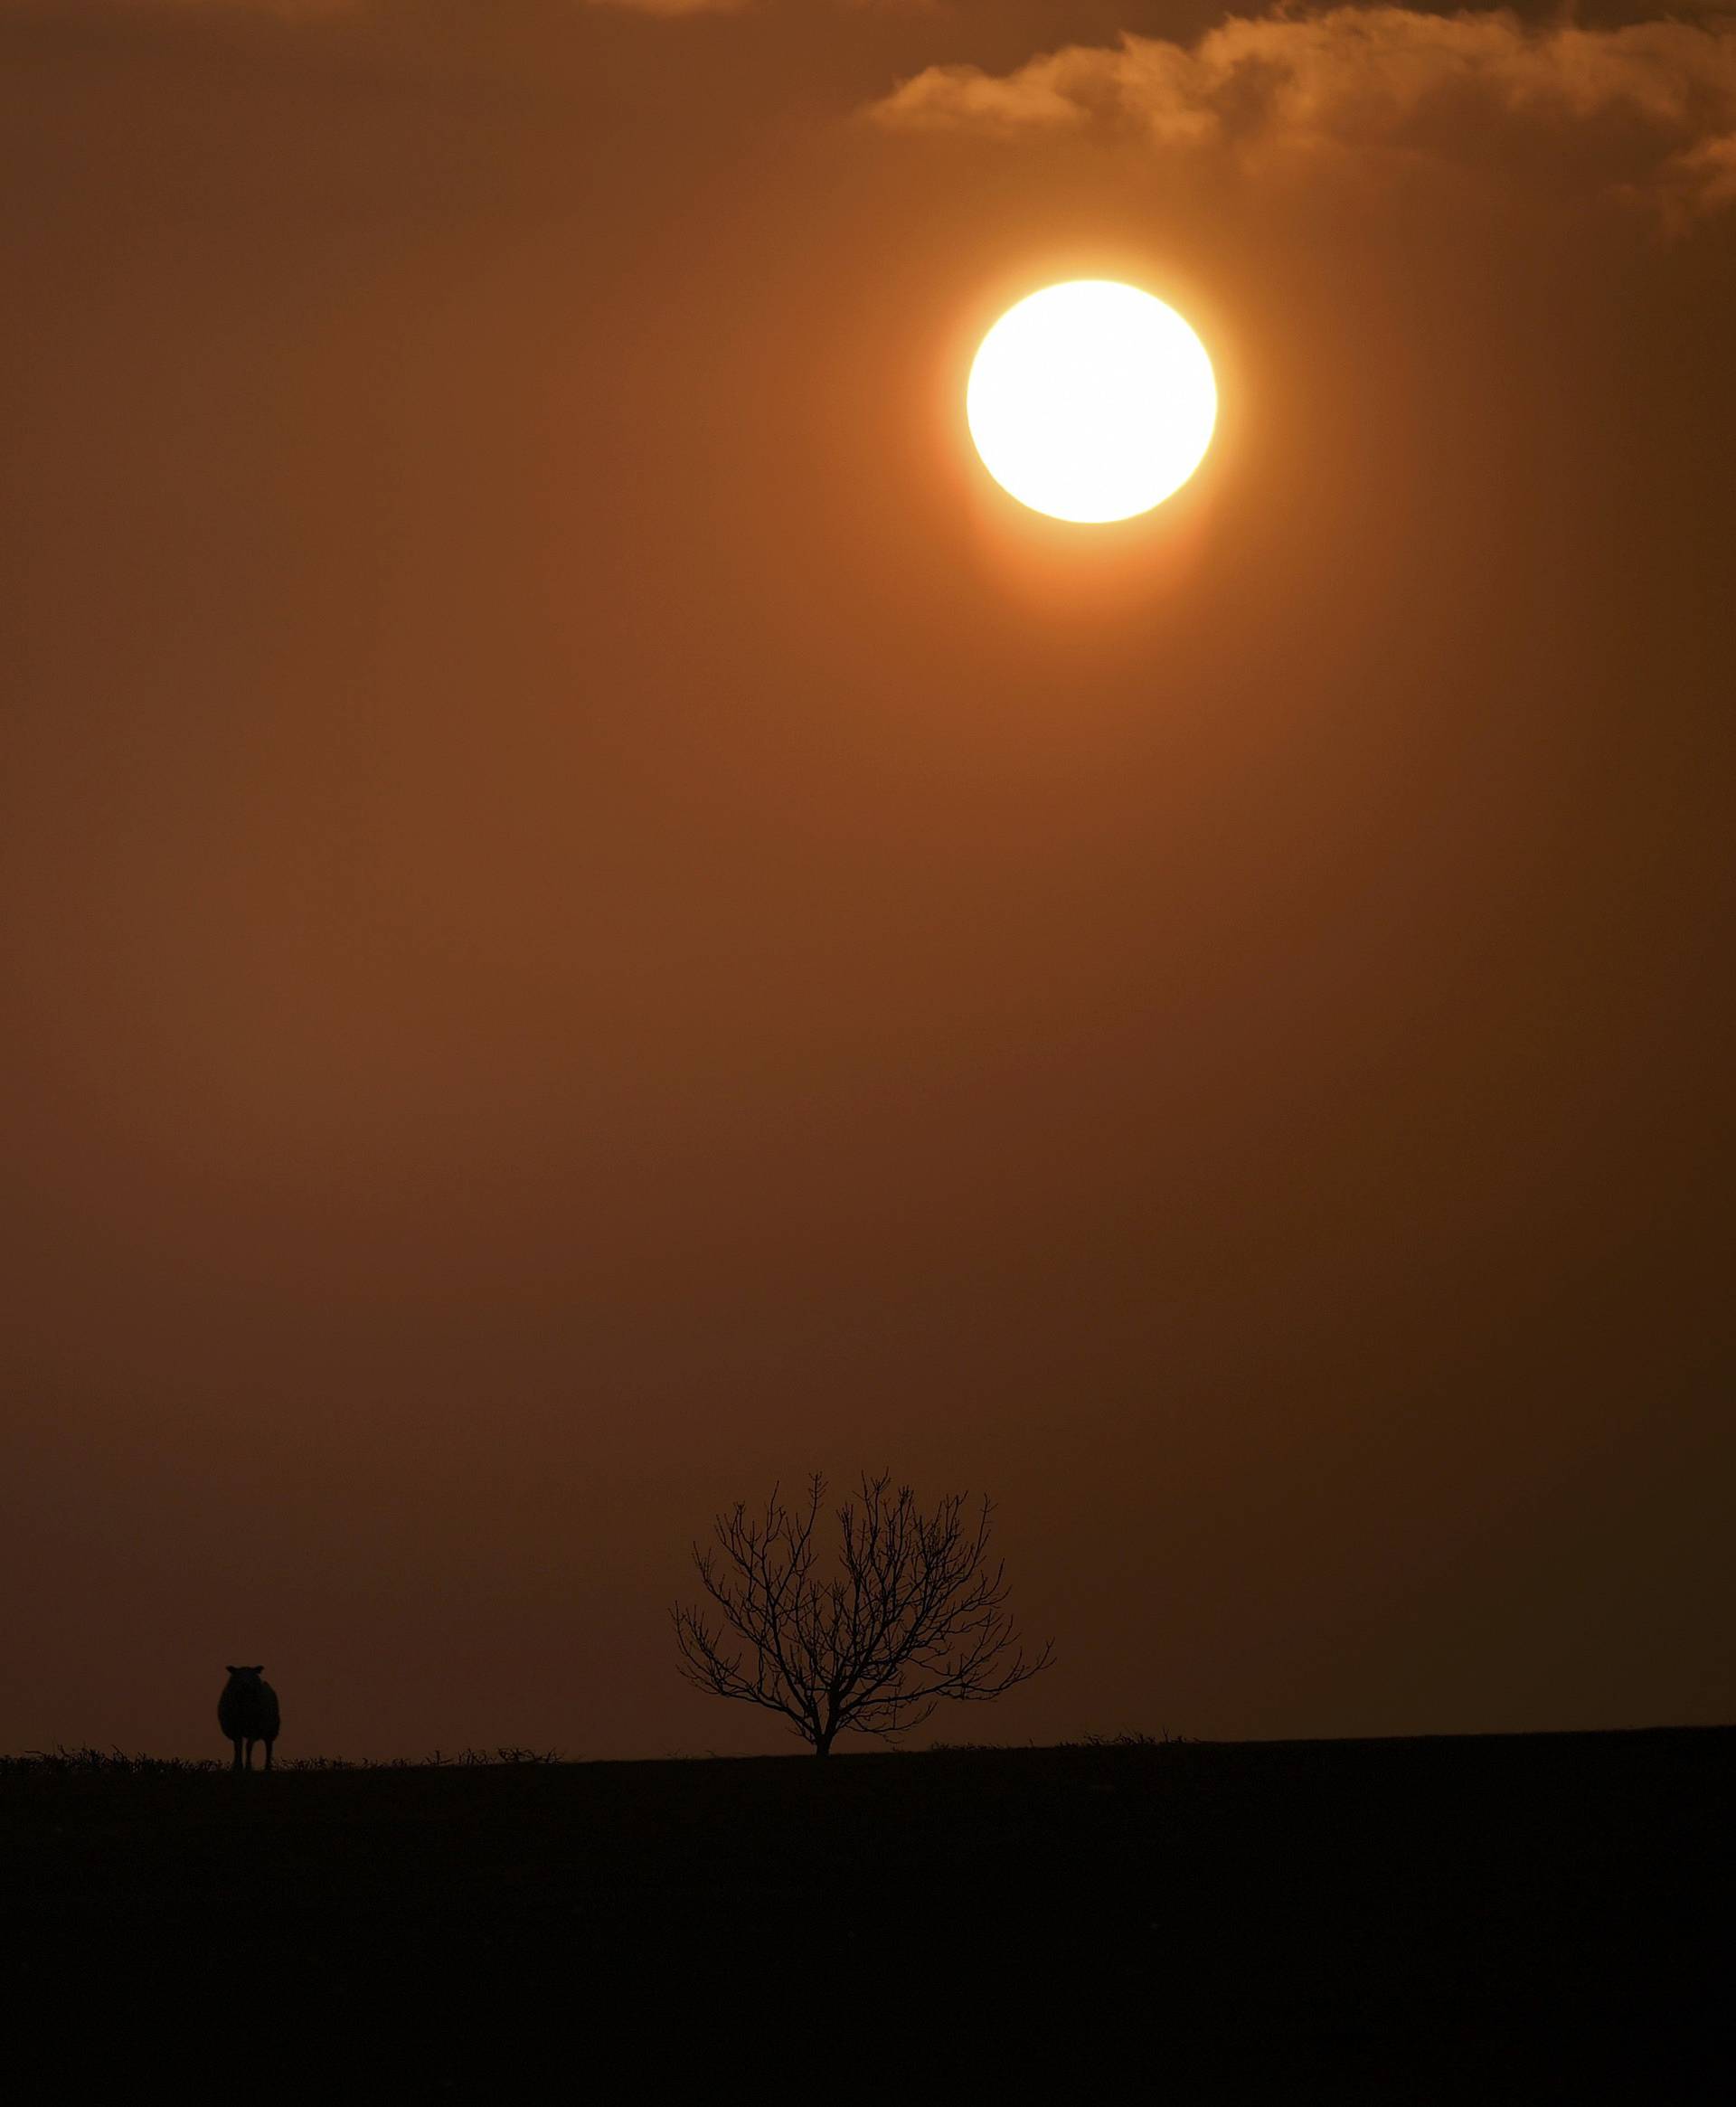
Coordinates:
(592, 917)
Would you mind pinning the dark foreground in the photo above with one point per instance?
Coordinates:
(1529, 1918)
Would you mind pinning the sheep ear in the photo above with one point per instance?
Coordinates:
(259, 1668)
(229, 1668)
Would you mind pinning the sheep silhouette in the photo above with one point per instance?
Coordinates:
(248, 1714)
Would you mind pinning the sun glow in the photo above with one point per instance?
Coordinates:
(1091, 402)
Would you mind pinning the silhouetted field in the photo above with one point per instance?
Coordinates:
(1455, 1918)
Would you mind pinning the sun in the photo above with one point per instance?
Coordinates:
(1091, 402)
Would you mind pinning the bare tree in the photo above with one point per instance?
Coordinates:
(910, 1612)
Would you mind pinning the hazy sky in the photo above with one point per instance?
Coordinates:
(592, 917)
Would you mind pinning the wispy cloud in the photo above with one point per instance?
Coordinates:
(1274, 88)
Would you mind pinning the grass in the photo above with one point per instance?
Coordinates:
(1389, 1920)
(116, 1762)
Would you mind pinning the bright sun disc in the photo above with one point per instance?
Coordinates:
(1091, 402)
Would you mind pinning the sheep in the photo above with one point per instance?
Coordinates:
(247, 1713)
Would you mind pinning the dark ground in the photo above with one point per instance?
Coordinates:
(1528, 1918)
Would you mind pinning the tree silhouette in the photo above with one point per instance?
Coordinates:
(910, 1613)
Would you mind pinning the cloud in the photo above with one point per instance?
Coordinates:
(673, 7)
(293, 11)
(326, 10)
(1271, 89)
(285, 10)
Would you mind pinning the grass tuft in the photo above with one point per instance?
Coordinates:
(65, 1763)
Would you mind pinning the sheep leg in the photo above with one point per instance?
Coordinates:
(237, 1745)
(267, 1751)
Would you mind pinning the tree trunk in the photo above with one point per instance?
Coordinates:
(822, 1744)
